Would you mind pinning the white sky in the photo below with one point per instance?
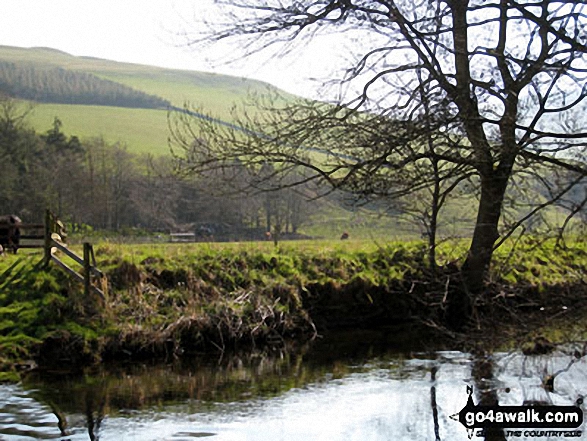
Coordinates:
(143, 31)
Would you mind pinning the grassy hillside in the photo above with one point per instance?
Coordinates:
(142, 130)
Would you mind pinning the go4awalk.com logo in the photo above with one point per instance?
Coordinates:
(557, 420)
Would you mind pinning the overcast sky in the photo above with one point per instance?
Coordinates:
(145, 32)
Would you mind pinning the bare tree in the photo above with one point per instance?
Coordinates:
(498, 78)
(155, 194)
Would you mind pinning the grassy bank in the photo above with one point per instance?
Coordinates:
(165, 300)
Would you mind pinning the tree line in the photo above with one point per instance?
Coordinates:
(94, 184)
(61, 86)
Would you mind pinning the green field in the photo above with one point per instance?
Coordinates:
(142, 130)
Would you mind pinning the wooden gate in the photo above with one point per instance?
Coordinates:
(55, 241)
(52, 237)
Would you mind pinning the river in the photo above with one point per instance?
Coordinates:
(338, 388)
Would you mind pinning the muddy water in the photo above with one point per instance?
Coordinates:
(330, 391)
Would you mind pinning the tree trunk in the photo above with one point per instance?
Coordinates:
(474, 270)
(485, 234)
(434, 211)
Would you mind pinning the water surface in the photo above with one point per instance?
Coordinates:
(333, 390)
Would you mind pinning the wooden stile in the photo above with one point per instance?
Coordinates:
(52, 237)
(54, 241)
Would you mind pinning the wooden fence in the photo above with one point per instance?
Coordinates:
(55, 238)
(52, 237)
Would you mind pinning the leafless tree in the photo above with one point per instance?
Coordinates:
(497, 78)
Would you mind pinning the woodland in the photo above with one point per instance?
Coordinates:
(92, 185)
(57, 85)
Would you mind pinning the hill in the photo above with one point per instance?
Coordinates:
(58, 85)
(142, 127)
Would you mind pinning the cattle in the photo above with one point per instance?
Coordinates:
(10, 232)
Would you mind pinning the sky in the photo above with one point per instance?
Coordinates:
(147, 32)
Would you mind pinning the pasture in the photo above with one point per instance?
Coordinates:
(142, 130)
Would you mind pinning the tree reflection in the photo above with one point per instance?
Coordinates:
(204, 384)
(94, 404)
(482, 373)
(433, 372)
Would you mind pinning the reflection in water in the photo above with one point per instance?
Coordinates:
(482, 374)
(515, 379)
(330, 391)
(433, 403)
(94, 423)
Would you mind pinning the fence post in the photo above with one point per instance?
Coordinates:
(48, 229)
(87, 268)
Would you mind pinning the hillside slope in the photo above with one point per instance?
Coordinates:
(63, 86)
(143, 130)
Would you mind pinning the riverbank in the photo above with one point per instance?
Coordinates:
(171, 300)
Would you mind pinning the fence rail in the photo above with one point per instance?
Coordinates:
(54, 241)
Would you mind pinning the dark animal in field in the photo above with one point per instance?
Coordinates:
(344, 236)
(10, 232)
